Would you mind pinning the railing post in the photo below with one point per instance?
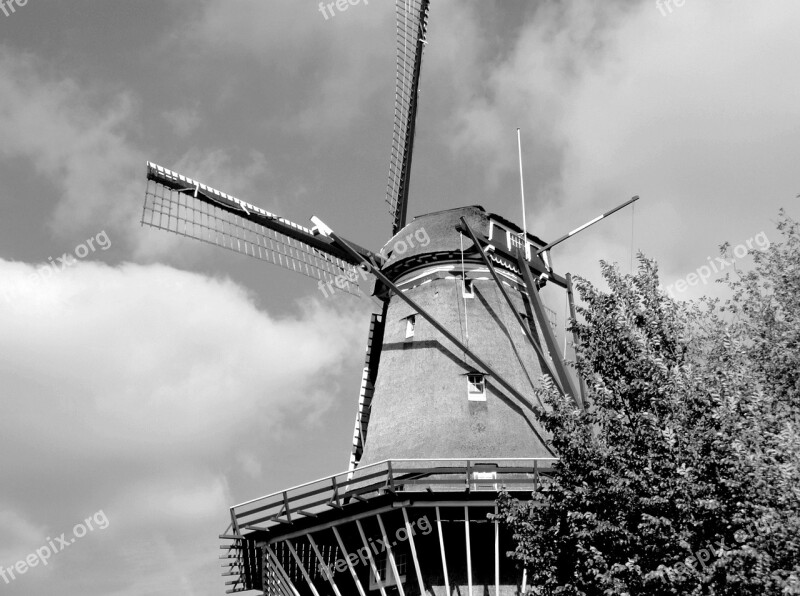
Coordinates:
(391, 476)
(286, 506)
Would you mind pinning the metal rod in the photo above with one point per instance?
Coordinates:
(586, 225)
(522, 192)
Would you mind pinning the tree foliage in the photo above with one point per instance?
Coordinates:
(683, 474)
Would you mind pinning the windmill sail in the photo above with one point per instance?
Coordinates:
(184, 206)
(412, 23)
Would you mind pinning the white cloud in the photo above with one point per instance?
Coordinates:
(131, 389)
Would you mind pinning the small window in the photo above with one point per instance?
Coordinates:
(469, 289)
(386, 577)
(411, 322)
(476, 387)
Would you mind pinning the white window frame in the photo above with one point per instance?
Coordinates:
(516, 240)
(476, 388)
(465, 282)
(411, 325)
(480, 481)
(387, 578)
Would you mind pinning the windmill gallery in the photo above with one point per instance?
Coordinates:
(444, 418)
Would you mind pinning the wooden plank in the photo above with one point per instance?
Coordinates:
(410, 532)
(349, 564)
(302, 568)
(496, 552)
(322, 564)
(398, 582)
(371, 560)
(469, 549)
(282, 572)
(441, 547)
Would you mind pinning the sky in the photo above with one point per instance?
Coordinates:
(149, 382)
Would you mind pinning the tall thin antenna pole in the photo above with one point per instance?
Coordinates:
(522, 193)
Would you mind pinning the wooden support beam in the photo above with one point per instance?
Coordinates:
(469, 549)
(286, 507)
(549, 338)
(441, 548)
(371, 560)
(575, 341)
(302, 568)
(410, 532)
(282, 572)
(496, 552)
(535, 263)
(390, 554)
(534, 340)
(353, 573)
(440, 328)
(327, 573)
(338, 522)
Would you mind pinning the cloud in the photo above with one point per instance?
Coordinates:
(132, 395)
(75, 135)
(336, 65)
(614, 100)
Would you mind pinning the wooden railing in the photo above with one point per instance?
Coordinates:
(390, 476)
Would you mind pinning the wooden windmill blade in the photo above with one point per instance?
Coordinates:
(412, 24)
(178, 204)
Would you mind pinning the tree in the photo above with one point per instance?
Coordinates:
(683, 474)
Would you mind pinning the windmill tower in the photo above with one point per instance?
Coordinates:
(445, 412)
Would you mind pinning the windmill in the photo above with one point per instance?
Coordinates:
(445, 412)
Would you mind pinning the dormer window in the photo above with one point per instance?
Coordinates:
(476, 387)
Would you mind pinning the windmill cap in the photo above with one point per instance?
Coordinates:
(436, 233)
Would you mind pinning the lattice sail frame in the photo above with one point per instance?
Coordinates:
(412, 24)
(186, 207)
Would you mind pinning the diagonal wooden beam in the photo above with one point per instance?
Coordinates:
(352, 569)
(390, 553)
(496, 551)
(302, 568)
(281, 571)
(575, 341)
(469, 549)
(371, 559)
(327, 573)
(438, 326)
(544, 326)
(534, 341)
(410, 532)
(441, 548)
